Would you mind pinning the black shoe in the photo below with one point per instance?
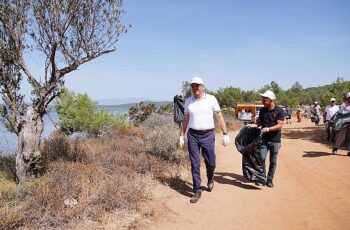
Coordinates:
(348, 153)
(269, 184)
(210, 185)
(334, 151)
(259, 184)
(195, 197)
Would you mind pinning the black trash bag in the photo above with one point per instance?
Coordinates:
(339, 121)
(179, 107)
(315, 118)
(248, 143)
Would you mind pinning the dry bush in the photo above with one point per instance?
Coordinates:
(56, 147)
(97, 190)
(104, 175)
(8, 166)
(161, 138)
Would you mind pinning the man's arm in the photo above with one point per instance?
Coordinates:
(221, 121)
(184, 125)
(276, 127)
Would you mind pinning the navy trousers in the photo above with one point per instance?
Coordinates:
(205, 144)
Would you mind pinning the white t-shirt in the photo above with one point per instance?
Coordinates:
(201, 112)
(331, 110)
(345, 107)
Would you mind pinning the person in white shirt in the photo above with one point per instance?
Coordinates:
(341, 135)
(199, 118)
(330, 110)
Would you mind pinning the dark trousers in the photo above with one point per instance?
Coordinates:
(205, 144)
(341, 136)
(273, 148)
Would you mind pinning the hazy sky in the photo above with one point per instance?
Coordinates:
(244, 44)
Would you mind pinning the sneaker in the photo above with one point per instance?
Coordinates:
(348, 153)
(334, 151)
(259, 184)
(210, 185)
(195, 197)
(269, 184)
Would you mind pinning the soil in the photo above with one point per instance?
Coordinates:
(312, 189)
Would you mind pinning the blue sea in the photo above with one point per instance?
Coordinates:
(8, 141)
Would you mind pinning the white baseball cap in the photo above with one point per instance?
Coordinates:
(347, 95)
(316, 102)
(332, 99)
(269, 94)
(197, 80)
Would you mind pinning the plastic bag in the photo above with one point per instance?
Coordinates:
(248, 143)
(340, 120)
(179, 107)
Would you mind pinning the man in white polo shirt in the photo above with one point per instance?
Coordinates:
(199, 117)
(330, 110)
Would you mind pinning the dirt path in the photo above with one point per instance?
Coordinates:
(312, 190)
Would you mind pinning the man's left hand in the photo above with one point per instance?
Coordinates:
(225, 140)
(265, 130)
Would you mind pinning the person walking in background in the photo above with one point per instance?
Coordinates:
(199, 118)
(299, 115)
(317, 110)
(288, 115)
(330, 110)
(341, 135)
(270, 120)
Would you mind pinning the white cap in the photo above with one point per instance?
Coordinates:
(347, 95)
(316, 102)
(332, 99)
(197, 80)
(269, 94)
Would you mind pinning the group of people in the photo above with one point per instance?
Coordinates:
(198, 122)
(330, 111)
(288, 114)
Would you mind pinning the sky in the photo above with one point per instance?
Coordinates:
(239, 43)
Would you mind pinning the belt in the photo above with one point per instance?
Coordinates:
(201, 132)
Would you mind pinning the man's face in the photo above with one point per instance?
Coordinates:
(266, 101)
(197, 89)
(332, 103)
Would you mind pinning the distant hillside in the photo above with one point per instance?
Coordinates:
(127, 105)
(120, 101)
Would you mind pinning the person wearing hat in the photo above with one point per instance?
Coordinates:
(271, 118)
(299, 113)
(288, 113)
(341, 135)
(317, 109)
(330, 110)
(199, 118)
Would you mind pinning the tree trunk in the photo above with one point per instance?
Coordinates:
(28, 155)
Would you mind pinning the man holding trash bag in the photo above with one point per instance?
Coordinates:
(270, 120)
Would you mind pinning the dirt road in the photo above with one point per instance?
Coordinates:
(312, 190)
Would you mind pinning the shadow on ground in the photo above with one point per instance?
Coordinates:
(314, 134)
(233, 179)
(179, 185)
(320, 154)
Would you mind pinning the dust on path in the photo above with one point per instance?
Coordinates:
(312, 190)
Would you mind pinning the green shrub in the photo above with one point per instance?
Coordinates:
(138, 113)
(78, 113)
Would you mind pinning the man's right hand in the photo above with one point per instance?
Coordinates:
(182, 142)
